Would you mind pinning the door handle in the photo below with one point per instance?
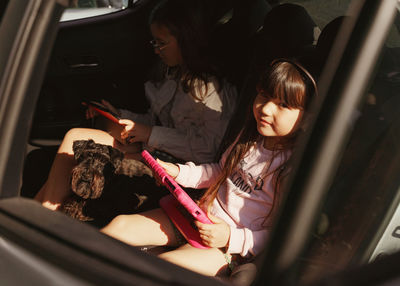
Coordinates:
(82, 61)
(88, 65)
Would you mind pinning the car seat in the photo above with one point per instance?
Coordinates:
(288, 31)
(232, 37)
(324, 44)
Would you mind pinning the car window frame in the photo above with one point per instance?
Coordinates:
(15, 224)
(322, 146)
(21, 73)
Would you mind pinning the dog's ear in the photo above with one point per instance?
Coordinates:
(77, 147)
(116, 157)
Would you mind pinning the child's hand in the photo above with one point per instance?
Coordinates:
(91, 113)
(171, 169)
(214, 235)
(135, 132)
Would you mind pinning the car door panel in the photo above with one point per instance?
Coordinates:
(103, 57)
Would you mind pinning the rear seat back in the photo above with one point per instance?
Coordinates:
(288, 31)
(232, 37)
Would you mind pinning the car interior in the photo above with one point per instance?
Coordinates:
(109, 57)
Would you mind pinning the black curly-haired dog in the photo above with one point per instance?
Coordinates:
(96, 164)
(106, 184)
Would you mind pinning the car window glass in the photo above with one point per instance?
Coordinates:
(362, 200)
(80, 9)
(324, 11)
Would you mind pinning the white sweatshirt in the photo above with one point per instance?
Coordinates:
(243, 201)
(188, 129)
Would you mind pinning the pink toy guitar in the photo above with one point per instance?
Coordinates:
(170, 204)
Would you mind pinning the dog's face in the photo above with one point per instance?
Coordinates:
(96, 165)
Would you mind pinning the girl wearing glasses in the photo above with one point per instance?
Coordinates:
(243, 188)
(190, 106)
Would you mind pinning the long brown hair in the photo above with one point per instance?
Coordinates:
(289, 82)
(187, 22)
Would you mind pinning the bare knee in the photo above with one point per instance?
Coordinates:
(74, 134)
(70, 137)
(77, 133)
(127, 228)
(168, 256)
(204, 261)
(116, 226)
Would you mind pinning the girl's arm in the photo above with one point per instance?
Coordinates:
(137, 126)
(245, 241)
(191, 175)
(198, 176)
(235, 240)
(201, 176)
(216, 234)
(170, 168)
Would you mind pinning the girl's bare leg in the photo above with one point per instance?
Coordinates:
(148, 228)
(57, 186)
(154, 228)
(204, 261)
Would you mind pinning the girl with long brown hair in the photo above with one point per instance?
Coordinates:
(190, 104)
(243, 187)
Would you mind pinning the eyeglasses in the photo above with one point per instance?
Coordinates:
(158, 45)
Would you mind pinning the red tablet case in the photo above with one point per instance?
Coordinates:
(102, 110)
